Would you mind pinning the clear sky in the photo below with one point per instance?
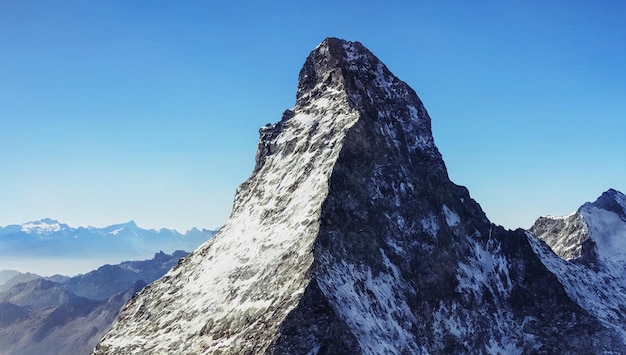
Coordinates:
(149, 110)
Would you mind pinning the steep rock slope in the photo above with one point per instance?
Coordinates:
(591, 262)
(350, 238)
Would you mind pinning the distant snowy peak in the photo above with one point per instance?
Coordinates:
(596, 230)
(606, 221)
(43, 226)
(612, 201)
(124, 229)
(50, 238)
(47, 226)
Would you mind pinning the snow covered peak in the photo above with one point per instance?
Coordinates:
(596, 231)
(349, 237)
(43, 226)
(591, 262)
(606, 221)
(611, 200)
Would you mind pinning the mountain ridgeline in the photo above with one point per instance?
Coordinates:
(48, 238)
(70, 315)
(350, 238)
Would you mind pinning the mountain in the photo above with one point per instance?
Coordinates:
(595, 232)
(48, 238)
(6, 275)
(23, 277)
(590, 260)
(350, 238)
(72, 325)
(69, 317)
(108, 280)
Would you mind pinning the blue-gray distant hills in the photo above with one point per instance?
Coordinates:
(62, 315)
(49, 238)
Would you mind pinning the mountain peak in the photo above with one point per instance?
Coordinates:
(612, 200)
(130, 224)
(348, 67)
(349, 237)
(43, 226)
(331, 55)
(597, 230)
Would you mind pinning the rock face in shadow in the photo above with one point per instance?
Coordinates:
(350, 238)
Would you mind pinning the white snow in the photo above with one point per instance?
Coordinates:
(117, 231)
(608, 231)
(487, 269)
(484, 270)
(373, 305)
(601, 292)
(567, 216)
(599, 288)
(451, 217)
(41, 227)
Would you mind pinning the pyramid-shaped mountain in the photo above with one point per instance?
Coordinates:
(350, 238)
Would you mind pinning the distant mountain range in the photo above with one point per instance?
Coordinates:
(48, 238)
(62, 315)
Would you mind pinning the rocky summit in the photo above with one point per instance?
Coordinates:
(349, 238)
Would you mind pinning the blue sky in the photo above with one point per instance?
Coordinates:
(149, 110)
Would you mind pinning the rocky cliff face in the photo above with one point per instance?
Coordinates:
(350, 238)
